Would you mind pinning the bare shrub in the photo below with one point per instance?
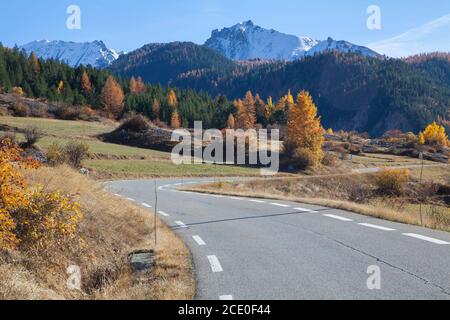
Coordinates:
(75, 153)
(20, 109)
(440, 216)
(329, 160)
(136, 123)
(55, 155)
(391, 181)
(32, 136)
(304, 158)
(64, 112)
(39, 111)
(289, 147)
(9, 135)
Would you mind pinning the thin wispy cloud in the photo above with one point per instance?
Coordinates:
(432, 36)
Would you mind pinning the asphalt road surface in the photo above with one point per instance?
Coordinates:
(247, 248)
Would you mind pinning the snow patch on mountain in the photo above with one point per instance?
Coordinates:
(93, 53)
(246, 41)
(341, 46)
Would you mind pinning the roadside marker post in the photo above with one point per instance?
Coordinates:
(155, 213)
(421, 177)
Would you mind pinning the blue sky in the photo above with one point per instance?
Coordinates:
(126, 25)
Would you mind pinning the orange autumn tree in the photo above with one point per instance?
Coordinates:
(250, 111)
(172, 99)
(156, 109)
(240, 114)
(175, 121)
(137, 86)
(86, 84)
(133, 85)
(231, 122)
(113, 98)
(304, 128)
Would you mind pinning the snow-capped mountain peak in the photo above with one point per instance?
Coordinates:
(93, 53)
(341, 46)
(247, 41)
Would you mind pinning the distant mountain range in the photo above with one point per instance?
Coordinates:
(246, 41)
(74, 54)
(243, 41)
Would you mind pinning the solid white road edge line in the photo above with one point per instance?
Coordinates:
(374, 226)
(332, 216)
(215, 264)
(199, 240)
(418, 236)
(226, 297)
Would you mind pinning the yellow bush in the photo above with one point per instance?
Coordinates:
(12, 190)
(391, 181)
(17, 91)
(47, 220)
(434, 134)
(31, 218)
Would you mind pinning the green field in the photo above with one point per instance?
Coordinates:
(158, 168)
(116, 161)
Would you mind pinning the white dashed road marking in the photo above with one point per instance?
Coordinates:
(226, 297)
(332, 216)
(163, 213)
(257, 201)
(131, 199)
(374, 226)
(280, 205)
(199, 240)
(117, 195)
(181, 224)
(418, 236)
(146, 205)
(215, 264)
(305, 210)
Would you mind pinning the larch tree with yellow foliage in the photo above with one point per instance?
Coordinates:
(156, 109)
(172, 99)
(86, 84)
(113, 97)
(304, 128)
(60, 87)
(250, 111)
(434, 134)
(231, 123)
(175, 121)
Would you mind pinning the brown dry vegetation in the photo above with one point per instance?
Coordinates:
(353, 192)
(111, 229)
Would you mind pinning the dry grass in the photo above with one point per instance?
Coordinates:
(111, 230)
(351, 192)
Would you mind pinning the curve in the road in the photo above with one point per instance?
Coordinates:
(246, 248)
